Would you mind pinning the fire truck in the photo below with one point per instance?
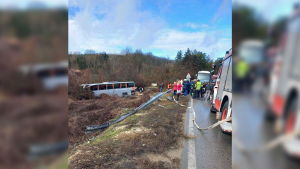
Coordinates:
(213, 79)
(285, 101)
(215, 90)
(222, 101)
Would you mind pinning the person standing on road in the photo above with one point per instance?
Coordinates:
(207, 92)
(198, 88)
(187, 86)
(179, 87)
(183, 86)
(161, 87)
(203, 90)
(193, 89)
(175, 88)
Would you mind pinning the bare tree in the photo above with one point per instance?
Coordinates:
(90, 51)
(77, 53)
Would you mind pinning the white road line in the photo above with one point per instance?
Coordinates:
(191, 143)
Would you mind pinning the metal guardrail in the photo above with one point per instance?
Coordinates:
(94, 128)
(40, 150)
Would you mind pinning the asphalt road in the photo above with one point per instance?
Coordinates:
(252, 130)
(211, 148)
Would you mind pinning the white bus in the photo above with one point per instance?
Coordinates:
(52, 75)
(111, 88)
(203, 76)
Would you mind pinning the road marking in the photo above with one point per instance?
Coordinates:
(191, 143)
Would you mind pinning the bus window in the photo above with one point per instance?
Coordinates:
(94, 88)
(123, 85)
(117, 86)
(43, 73)
(130, 85)
(109, 86)
(102, 87)
(61, 72)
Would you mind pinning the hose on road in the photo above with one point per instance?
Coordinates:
(270, 145)
(194, 119)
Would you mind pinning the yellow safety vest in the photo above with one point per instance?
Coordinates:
(198, 85)
(242, 69)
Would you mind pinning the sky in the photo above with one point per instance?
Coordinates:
(270, 10)
(160, 27)
(24, 4)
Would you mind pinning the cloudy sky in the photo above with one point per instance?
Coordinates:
(270, 10)
(160, 27)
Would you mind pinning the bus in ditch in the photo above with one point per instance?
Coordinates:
(51, 75)
(121, 89)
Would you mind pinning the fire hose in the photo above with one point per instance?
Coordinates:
(194, 119)
(270, 145)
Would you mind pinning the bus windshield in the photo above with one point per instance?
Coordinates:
(203, 77)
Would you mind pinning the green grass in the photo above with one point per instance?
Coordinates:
(111, 132)
(126, 111)
(108, 134)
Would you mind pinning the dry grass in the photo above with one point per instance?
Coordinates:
(96, 112)
(164, 132)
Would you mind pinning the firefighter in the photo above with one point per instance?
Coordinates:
(198, 88)
(187, 87)
(193, 89)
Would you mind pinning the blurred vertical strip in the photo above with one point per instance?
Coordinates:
(266, 83)
(33, 84)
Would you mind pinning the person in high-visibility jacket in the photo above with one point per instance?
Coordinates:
(241, 72)
(169, 85)
(241, 69)
(198, 87)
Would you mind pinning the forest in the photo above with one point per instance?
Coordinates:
(142, 68)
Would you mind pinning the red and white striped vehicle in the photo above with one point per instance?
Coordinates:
(285, 96)
(215, 90)
(222, 100)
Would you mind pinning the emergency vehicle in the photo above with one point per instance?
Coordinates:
(213, 80)
(215, 90)
(223, 96)
(286, 97)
